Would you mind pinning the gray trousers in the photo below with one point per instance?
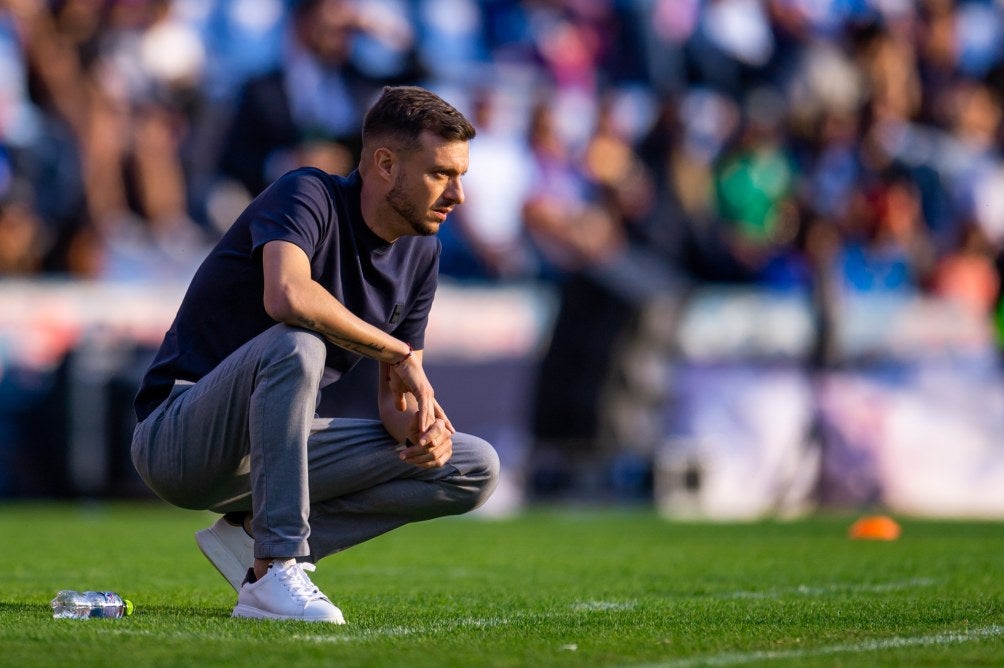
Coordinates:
(245, 438)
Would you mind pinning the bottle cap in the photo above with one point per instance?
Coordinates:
(128, 606)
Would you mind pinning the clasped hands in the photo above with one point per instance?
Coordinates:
(429, 443)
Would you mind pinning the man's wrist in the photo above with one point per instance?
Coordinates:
(407, 355)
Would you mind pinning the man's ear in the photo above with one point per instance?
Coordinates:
(385, 162)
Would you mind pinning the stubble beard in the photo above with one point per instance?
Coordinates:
(398, 200)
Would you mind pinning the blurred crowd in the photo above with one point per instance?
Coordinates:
(627, 150)
(788, 143)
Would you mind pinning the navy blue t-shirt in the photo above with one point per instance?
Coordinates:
(389, 285)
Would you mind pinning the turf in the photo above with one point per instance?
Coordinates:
(547, 588)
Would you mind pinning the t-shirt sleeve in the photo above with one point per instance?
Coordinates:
(296, 208)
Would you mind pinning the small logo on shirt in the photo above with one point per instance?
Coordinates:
(395, 315)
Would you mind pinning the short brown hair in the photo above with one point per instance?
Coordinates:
(403, 113)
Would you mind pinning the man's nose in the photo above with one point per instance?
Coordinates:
(455, 191)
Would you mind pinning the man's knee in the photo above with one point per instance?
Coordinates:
(479, 466)
(300, 347)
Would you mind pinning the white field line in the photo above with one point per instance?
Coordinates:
(605, 606)
(805, 590)
(874, 645)
(581, 607)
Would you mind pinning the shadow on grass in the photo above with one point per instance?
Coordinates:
(184, 612)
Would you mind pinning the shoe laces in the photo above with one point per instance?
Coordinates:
(297, 582)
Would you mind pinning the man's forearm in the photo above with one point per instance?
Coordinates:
(399, 425)
(315, 308)
(293, 297)
(371, 349)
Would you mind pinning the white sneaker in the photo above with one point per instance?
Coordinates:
(285, 592)
(229, 548)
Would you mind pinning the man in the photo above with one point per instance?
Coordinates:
(312, 102)
(317, 272)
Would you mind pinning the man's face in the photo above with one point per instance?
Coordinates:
(327, 29)
(427, 186)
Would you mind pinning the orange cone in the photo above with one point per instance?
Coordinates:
(874, 527)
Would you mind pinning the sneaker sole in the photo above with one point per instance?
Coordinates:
(249, 612)
(220, 556)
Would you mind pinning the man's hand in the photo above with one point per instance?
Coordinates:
(412, 415)
(408, 377)
(431, 448)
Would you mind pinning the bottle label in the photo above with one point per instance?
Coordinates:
(108, 607)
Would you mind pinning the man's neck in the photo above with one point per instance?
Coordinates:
(376, 215)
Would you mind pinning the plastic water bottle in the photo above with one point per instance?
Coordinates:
(70, 604)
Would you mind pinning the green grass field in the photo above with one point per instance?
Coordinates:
(549, 588)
